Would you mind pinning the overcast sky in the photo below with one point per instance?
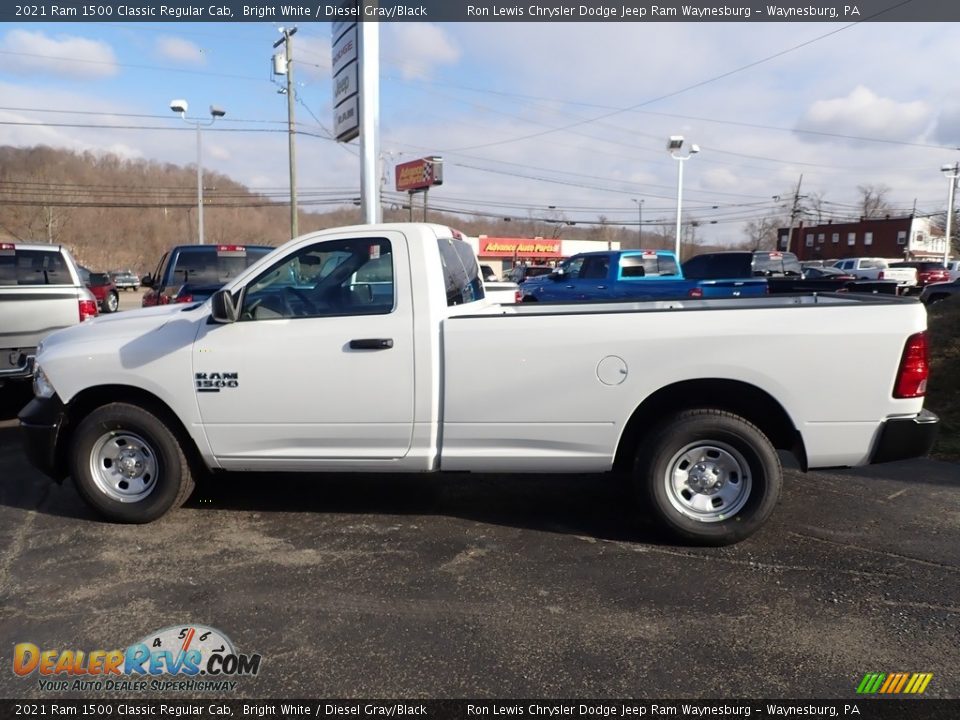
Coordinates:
(526, 115)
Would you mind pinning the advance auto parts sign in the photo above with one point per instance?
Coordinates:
(175, 659)
(418, 175)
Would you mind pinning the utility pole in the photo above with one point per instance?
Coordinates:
(639, 221)
(794, 211)
(287, 42)
(952, 172)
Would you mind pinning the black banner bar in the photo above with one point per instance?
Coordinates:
(304, 11)
(862, 709)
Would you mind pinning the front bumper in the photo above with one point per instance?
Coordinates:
(902, 438)
(41, 422)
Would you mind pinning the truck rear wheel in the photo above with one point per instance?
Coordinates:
(711, 477)
(128, 465)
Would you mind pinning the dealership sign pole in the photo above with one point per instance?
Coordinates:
(356, 97)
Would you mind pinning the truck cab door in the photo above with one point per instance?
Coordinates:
(318, 369)
(594, 282)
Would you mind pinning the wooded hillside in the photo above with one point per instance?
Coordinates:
(115, 213)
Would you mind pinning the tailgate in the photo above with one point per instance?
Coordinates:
(904, 276)
(29, 313)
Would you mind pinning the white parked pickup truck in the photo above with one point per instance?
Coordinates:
(866, 268)
(372, 348)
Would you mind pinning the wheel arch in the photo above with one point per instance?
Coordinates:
(748, 401)
(89, 399)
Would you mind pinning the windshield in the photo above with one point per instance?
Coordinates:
(213, 265)
(776, 263)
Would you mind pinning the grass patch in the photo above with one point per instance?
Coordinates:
(943, 391)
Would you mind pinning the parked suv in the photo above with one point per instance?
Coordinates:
(40, 291)
(522, 273)
(103, 289)
(742, 264)
(192, 273)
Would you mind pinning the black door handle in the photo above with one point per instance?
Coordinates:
(371, 344)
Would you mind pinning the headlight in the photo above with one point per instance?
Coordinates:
(42, 387)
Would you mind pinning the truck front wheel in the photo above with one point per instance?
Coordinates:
(128, 465)
(711, 477)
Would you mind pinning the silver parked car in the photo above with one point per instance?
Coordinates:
(126, 280)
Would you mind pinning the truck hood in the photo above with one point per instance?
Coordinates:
(110, 328)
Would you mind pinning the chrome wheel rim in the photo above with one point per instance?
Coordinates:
(113, 302)
(124, 466)
(708, 481)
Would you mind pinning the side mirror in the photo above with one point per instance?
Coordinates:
(558, 274)
(223, 308)
(146, 281)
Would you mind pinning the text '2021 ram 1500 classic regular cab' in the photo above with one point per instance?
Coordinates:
(369, 348)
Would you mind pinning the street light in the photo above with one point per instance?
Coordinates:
(180, 107)
(674, 143)
(951, 172)
(639, 220)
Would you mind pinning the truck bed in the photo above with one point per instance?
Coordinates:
(824, 363)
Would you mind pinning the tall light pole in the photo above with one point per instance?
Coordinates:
(180, 107)
(639, 221)
(287, 63)
(674, 143)
(951, 172)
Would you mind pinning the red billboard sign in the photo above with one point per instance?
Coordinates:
(418, 175)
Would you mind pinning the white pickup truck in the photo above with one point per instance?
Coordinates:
(871, 268)
(41, 290)
(372, 348)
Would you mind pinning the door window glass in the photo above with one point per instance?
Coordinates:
(595, 267)
(336, 277)
(461, 273)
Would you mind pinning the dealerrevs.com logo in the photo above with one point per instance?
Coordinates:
(176, 659)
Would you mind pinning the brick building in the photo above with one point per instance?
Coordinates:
(903, 238)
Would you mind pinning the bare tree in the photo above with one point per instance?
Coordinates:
(873, 200)
(815, 206)
(762, 233)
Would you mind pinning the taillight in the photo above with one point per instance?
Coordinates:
(88, 309)
(184, 299)
(696, 292)
(517, 296)
(914, 368)
(880, 275)
(163, 299)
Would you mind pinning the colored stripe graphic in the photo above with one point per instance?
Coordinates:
(894, 683)
(871, 683)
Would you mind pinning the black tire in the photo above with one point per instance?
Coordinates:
(165, 483)
(111, 303)
(735, 454)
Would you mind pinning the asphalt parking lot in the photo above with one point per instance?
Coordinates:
(481, 586)
(495, 586)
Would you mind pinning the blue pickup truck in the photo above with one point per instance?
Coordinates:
(623, 275)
